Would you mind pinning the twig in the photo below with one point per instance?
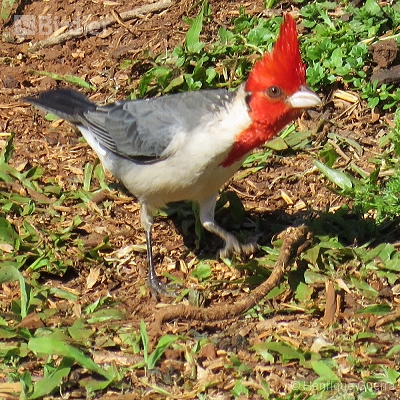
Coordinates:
(118, 18)
(294, 239)
(94, 25)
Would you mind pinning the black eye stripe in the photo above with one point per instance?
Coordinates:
(274, 92)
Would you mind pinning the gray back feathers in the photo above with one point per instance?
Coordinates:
(140, 130)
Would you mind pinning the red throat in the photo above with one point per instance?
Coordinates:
(255, 135)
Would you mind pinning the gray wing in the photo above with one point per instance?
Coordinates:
(143, 129)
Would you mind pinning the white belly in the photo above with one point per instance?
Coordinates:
(167, 181)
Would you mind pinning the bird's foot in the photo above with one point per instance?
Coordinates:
(158, 288)
(233, 246)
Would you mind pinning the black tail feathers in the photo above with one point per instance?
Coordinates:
(66, 103)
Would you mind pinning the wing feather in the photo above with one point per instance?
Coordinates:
(143, 130)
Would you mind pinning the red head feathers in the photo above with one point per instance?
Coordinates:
(276, 93)
(283, 66)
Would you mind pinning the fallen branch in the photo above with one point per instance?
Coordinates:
(293, 239)
(96, 25)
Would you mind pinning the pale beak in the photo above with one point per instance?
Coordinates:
(304, 98)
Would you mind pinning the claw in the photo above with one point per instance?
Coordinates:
(158, 288)
(233, 246)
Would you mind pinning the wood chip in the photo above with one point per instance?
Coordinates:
(330, 307)
(93, 277)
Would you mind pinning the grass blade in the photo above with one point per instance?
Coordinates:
(48, 346)
(193, 43)
(9, 273)
(53, 380)
(162, 345)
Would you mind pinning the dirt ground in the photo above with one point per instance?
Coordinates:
(274, 197)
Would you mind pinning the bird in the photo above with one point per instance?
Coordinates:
(187, 145)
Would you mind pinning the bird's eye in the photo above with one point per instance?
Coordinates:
(274, 92)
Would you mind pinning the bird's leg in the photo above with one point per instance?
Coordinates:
(154, 282)
(232, 245)
(156, 286)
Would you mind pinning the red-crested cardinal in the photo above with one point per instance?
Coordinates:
(185, 146)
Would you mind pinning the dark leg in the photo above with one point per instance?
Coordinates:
(156, 286)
